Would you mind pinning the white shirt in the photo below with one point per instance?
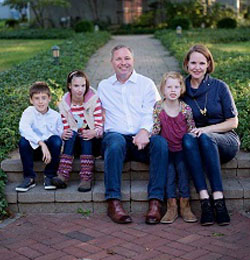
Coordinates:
(129, 106)
(36, 127)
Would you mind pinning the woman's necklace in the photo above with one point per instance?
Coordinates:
(202, 111)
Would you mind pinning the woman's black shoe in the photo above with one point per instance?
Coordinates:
(221, 213)
(207, 213)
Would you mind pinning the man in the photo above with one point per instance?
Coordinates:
(128, 99)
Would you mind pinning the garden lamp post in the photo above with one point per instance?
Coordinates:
(55, 53)
(178, 31)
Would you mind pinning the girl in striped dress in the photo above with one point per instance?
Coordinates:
(81, 114)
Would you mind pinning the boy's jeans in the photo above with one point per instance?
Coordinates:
(28, 155)
(117, 148)
(177, 172)
(209, 150)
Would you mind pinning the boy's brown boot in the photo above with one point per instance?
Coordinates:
(172, 212)
(186, 211)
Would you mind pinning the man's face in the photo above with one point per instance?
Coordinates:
(123, 63)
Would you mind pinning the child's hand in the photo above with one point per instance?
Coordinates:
(46, 153)
(67, 134)
(88, 134)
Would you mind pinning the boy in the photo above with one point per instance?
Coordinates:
(40, 128)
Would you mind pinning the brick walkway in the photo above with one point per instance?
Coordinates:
(72, 236)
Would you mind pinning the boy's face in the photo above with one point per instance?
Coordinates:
(41, 102)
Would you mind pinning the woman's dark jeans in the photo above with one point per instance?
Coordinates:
(207, 152)
(28, 155)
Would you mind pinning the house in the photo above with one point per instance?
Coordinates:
(10, 13)
(109, 11)
(115, 11)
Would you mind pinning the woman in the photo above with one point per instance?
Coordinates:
(213, 140)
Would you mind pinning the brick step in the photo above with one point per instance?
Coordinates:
(134, 194)
(238, 167)
(236, 180)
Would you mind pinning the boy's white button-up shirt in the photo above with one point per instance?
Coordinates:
(35, 126)
(128, 107)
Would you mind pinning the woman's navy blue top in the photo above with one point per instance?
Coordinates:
(220, 104)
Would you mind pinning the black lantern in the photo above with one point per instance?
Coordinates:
(55, 53)
(178, 31)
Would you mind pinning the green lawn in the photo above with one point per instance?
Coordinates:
(242, 47)
(16, 51)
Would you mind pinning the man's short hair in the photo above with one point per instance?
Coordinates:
(39, 87)
(118, 47)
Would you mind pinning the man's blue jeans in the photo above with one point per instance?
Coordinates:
(28, 155)
(118, 148)
(207, 152)
(177, 172)
(77, 144)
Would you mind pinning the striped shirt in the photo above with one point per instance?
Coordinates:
(77, 111)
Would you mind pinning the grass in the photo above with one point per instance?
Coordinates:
(13, 52)
(242, 47)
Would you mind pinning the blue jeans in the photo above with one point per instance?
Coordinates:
(209, 150)
(84, 146)
(118, 148)
(28, 155)
(177, 170)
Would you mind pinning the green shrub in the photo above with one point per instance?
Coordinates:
(131, 29)
(15, 84)
(37, 34)
(195, 11)
(3, 202)
(84, 26)
(103, 25)
(180, 21)
(228, 23)
(145, 20)
(232, 66)
(11, 23)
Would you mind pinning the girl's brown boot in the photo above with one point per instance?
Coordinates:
(172, 212)
(64, 169)
(186, 212)
(86, 172)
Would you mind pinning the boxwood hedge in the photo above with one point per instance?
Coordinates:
(233, 67)
(36, 34)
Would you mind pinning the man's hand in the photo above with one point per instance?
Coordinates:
(67, 134)
(46, 153)
(88, 134)
(141, 139)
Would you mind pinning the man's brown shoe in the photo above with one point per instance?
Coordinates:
(117, 213)
(154, 213)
